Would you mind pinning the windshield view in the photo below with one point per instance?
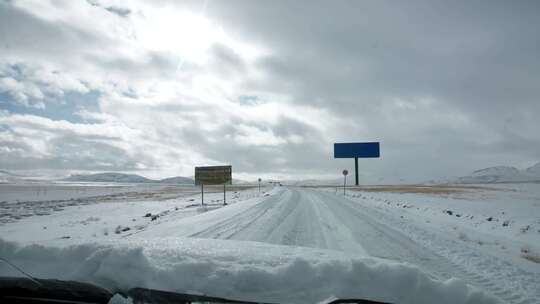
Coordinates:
(212, 151)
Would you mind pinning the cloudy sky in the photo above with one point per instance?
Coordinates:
(158, 87)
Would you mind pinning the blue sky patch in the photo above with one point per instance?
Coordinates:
(64, 108)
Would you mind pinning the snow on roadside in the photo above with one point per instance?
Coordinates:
(200, 222)
(503, 220)
(111, 216)
(18, 201)
(56, 191)
(466, 229)
(236, 269)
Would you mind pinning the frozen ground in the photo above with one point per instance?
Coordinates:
(112, 213)
(246, 271)
(488, 237)
(27, 192)
(19, 201)
(485, 237)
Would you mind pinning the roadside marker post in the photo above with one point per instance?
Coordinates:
(357, 150)
(345, 172)
(356, 171)
(259, 185)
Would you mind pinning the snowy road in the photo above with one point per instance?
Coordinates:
(312, 218)
(316, 219)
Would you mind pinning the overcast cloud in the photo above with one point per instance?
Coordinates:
(158, 87)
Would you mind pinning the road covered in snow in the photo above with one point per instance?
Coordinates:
(474, 237)
(321, 219)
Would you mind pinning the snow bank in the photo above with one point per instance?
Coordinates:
(239, 270)
(502, 218)
(487, 237)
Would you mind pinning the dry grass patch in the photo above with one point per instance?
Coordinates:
(219, 188)
(532, 258)
(529, 255)
(422, 189)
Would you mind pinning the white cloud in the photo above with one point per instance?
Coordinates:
(33, 85)
(21, 91)
(170, 78)
(253, 136)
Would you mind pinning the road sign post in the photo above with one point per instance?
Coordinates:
(224, 195)
(356, 171)
(345, 172)
(357, 150)
(213, 175)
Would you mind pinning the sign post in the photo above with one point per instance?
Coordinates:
(224, 196)
(356, 171)
(259, 185)
(345, 172)
(357, 150)
(213, 175)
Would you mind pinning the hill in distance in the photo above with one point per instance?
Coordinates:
(502, 174)
(8, 177)
(177, 180)
(534, 170)
(113, 177)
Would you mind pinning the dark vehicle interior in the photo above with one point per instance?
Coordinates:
(31, 290)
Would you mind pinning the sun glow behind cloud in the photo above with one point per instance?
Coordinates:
(185, 33)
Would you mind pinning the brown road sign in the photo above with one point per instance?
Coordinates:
(213, 175)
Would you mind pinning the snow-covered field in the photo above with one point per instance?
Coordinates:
(499, 218)
(103, 210)
(488, 235)
(394, 245)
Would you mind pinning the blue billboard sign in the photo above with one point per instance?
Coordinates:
(357, 150)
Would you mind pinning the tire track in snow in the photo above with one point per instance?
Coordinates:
(292, 219)
(456, 260)
(311, 218)
(230, 226)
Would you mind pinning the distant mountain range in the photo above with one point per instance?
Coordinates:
(497, 174)
(177, 180)
(501, 174)
(112, 177)
(8, 177)
(7, 173)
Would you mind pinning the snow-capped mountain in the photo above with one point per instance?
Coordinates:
(108, 177)
(177, 180)
(113, 177)
(502, 174)
(534, 170)
(8, 177)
